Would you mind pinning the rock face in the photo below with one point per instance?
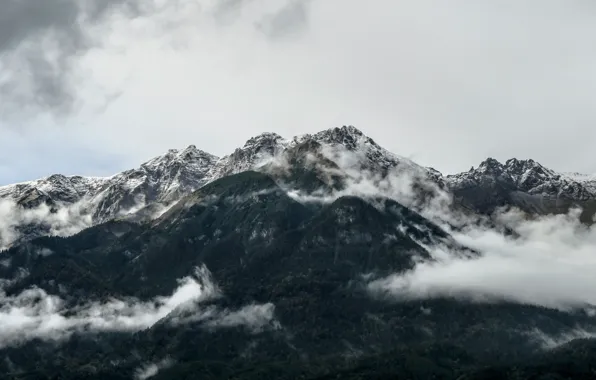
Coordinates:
(329, 160)
(145, 192)
(524, 184)
(162, 179)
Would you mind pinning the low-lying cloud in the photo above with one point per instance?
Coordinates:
(254, 317)
(151, 369)
(35, 314)
(18, 222)
(548, 261)
(551, 263)
(64, 220)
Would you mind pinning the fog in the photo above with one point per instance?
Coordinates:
(34, 313)
(550, 260)
(65, 220)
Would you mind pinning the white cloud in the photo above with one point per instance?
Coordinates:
(255, 317)
(62, 219)
(44, 252)
(34, 313)
(399, 184)
(550, 341)
(66, 220)
(151, 369)
(550, 261)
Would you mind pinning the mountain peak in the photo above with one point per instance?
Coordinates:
(348, 136)
(191, 153)
(513, 164)
(255, 150)
(491, 165)
(263, 141)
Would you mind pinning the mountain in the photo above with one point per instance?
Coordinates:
(524, 184)
(145, 192)
(45, 203)
(283, 282)
(289, 258)
(162, 179)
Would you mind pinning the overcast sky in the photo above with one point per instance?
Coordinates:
(97, 86)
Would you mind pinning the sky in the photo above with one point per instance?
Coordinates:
(95, 87)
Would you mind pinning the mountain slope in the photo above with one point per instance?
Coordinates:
(63, 205)
(290, 285)
(144, 193)
(524, 184)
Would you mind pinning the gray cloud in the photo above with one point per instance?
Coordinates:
(290, 19)
(256, 318)
(444, 84)
(39, 44)
(35, 314)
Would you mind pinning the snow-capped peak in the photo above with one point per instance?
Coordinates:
(265, 141)
(490, 165)
(527, 176)
(348, 136)
(166, 178)
(162, 179)
(190, 155)
(262, 148)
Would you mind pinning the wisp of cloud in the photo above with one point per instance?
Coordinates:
(35, 314)
(63, 221)
(550, 261)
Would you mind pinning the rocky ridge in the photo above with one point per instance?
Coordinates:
(147, 191)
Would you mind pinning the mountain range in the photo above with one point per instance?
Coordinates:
(289, 258)
(162, 181)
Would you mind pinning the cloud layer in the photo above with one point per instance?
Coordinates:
(36, 314)
(44, 44)
(550, 264)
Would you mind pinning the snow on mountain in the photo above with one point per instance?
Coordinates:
(52, 189)
(158, 183)
(587, 180)
(364, 152)
(61, 205)
(527, 176)
(163, 179)
(372, 156)
(255, 151)
(526, 185)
